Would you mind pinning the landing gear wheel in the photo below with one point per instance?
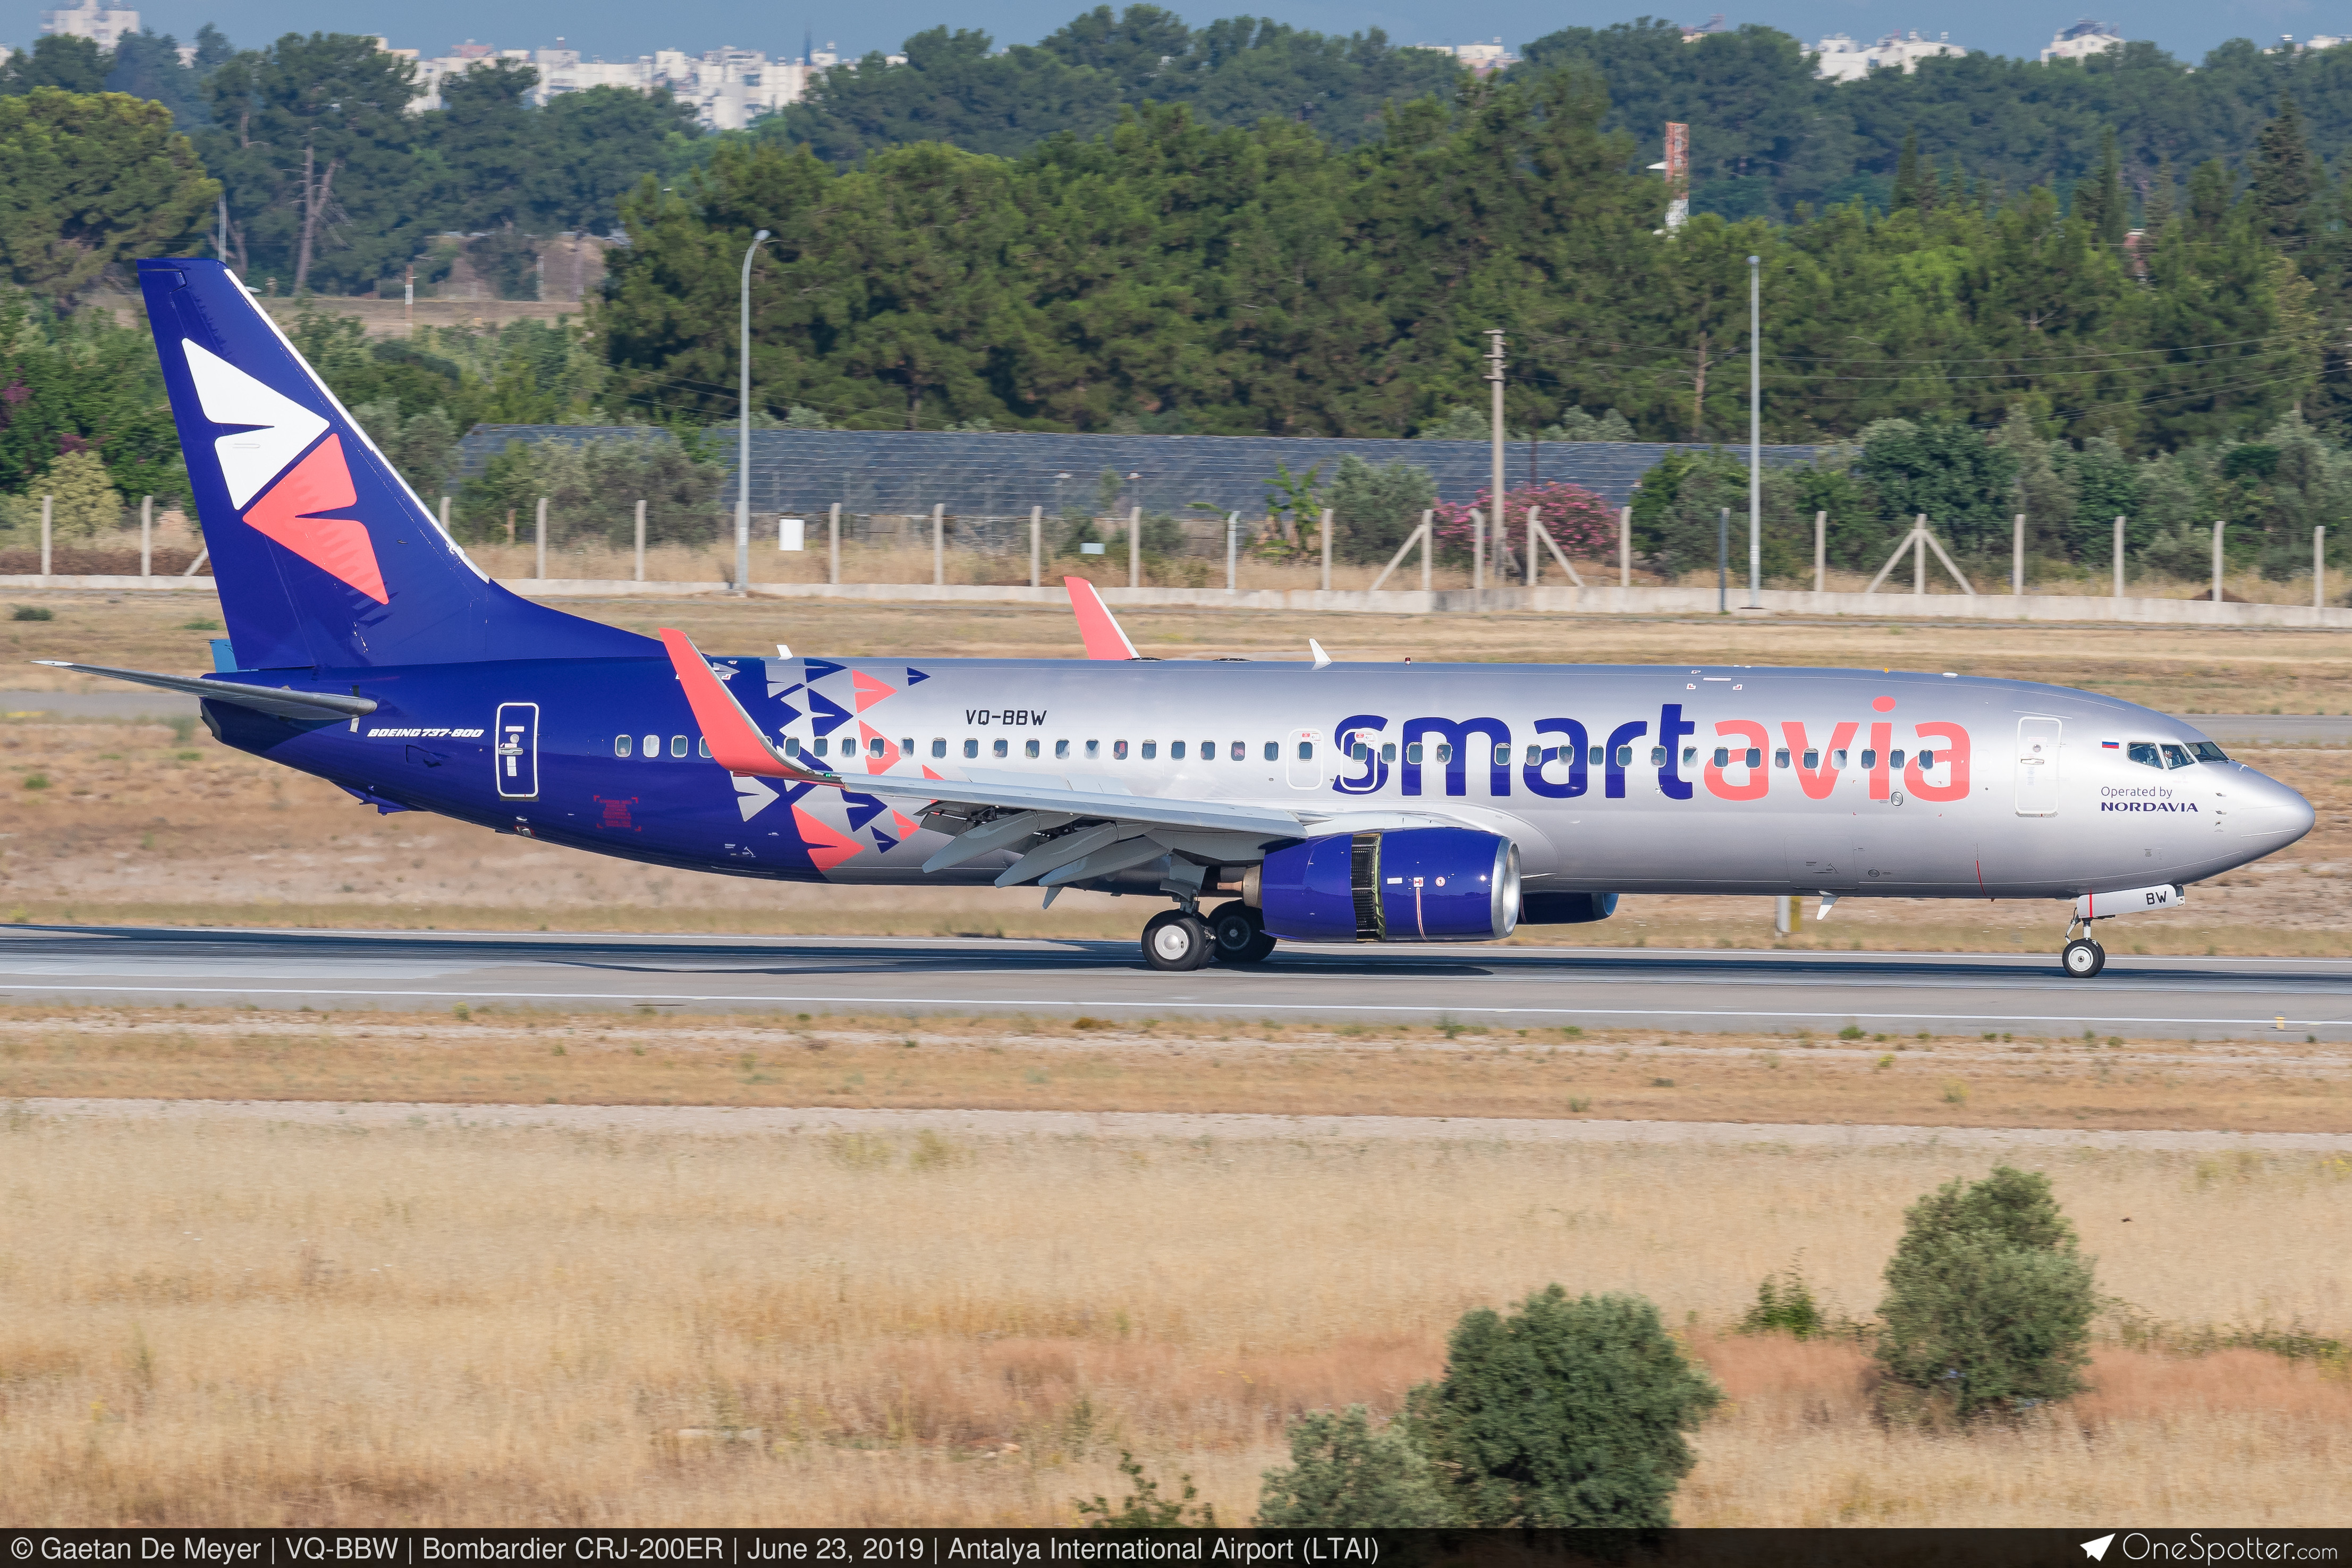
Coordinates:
(2083, 959)
(1240, 933)
(1175, 940)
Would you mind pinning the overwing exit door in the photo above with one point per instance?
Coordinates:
(516, 753)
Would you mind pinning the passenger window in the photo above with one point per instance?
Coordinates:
(1306, 752)
(1894, 759)
(1595, 759)
(1273, 751)
(1002, 748)
(1722, 757)
(791, 746)
(702, 745)
(1780, 758)
(823, 745)
(1029, 748)
(678, 746)
(1625, 756)
(1537, 757)
(1061, 749)
(1755, 757)
(1837, 757)
(1208, 751)
(1445, 751)
(2147, 754)
(970, 747)
(1869, 759)
(1151, 750)
(1812, 759)
(1657, 756)
(1690, 755)
(1502, 756)
(939, 746)
(1175, 751)
(907, 747)
(623, 745)
(1360, 752)
(1412, 754)
(1093, 749)
(876, 745)
(1927, 760)
(2177, 755)
(1388, 751)
(653, 746)
(1118, 751)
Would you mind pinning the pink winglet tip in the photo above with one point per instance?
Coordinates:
(1103, 637)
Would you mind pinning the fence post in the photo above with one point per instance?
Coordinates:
(1919, 557)
(539, 536)
(46, 503)
(1821, 552)
(2119, 557)
(1625, 547)
(1135, 547)
(2319, 567)
(1037, 545)
(641, 541)
(1232, 551)
(445, 514)
(1723, 563)
(1478, 554)
(938, 544)
(2217, 560)
(1428, 543)
(833, 546)
(1531, 546)
(147, 537)
(2017, 559)
(1327, 549)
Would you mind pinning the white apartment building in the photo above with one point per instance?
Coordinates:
(728, 88)
(102, 24)
(1480, 58)
(1840, 59)
(2081, 41)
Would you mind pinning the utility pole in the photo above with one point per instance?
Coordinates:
(1494, 494)
(1755, 434)
(743, 436)
(408, 299)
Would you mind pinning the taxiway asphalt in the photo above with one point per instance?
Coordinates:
(1519, 987)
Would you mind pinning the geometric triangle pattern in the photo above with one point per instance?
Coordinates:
(339, 547)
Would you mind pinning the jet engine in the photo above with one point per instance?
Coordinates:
(1411, 884)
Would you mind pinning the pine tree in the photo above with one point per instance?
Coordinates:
(2284, 180)
(2158, 202)
(2102, 203)
(1907, 174)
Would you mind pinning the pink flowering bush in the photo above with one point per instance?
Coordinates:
(1583, 523)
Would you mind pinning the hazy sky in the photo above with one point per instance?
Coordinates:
(623, 29)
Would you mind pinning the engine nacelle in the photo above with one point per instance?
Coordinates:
(1411, 884)
(1566, 908)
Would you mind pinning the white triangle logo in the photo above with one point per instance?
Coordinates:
(283, 429)
(752, 796)
(2096, 1551)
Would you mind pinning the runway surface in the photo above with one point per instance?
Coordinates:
(1515, 986)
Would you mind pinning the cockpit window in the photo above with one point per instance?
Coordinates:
(2209, 752)
(2146, 753)
(2177, 755)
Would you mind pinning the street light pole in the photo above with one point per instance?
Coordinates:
(743, 437)
(1755, 435)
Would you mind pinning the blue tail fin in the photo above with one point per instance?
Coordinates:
(323, 555)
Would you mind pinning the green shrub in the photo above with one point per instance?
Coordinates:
(1565, 1413)
(1346, 1474)
(1143, 1507)
(1989, 1304)
(1785, 1304)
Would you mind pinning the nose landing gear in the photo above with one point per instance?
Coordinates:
(2083, 959)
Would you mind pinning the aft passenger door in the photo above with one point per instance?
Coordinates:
(2037, 766)
(516, 753)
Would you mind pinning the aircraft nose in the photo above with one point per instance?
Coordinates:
(2269, 811)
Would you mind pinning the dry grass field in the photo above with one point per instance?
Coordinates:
(145, 823)
(452, 1321)
(2270, 1084)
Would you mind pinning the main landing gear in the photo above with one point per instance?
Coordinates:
(1179, 939)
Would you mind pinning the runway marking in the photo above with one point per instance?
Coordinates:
(1162, 1003)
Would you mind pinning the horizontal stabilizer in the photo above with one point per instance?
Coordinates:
(283, 702)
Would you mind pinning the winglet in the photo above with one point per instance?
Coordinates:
(1322, 659)
(736, 743)
(1104, 639)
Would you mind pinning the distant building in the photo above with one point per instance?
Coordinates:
(728, 88)
(1840, 59)
(102, 24)
(1480, 58)
(2081, 41)
(2287, 46)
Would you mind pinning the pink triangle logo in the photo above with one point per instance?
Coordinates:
(340, 547)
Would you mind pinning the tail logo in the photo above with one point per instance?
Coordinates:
(273, 430)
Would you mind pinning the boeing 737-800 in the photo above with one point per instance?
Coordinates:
(1320, 801)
